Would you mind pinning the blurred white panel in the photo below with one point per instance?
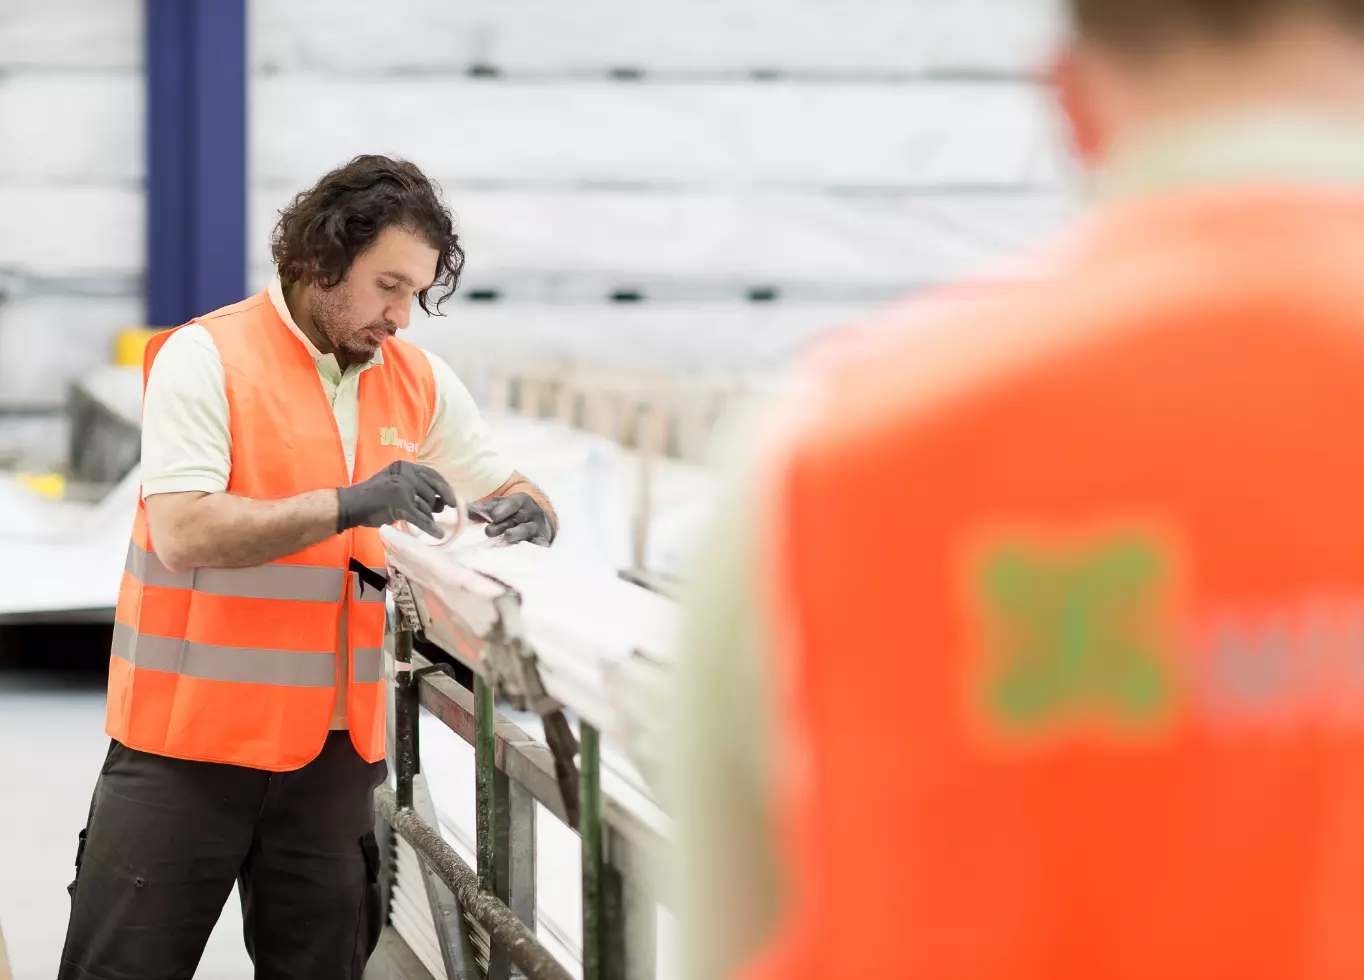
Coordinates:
(86, 127)
(713, 35)
(844, 135)
(700, 337)
(78, 34)
(47, 341)
(72, 231)
(619, 237)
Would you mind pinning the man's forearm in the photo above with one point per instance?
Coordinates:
(222, 530)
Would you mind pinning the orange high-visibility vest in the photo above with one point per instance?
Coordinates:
(239, 665)
(1069, 598)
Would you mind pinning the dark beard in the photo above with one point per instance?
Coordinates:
(329, 313)
(326, 314)
(356, 353)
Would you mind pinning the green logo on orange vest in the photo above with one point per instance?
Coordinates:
(1076, 634)
(389, 437)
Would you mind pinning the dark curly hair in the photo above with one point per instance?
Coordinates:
(323, 230)
(1146, 24)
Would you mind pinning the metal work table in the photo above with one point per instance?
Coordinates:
(500, 612)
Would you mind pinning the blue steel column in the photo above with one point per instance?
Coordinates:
(196, 157)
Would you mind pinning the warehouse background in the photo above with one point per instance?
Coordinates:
(698, 186)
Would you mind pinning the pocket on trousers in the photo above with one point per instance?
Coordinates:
(109, 757)
(80, 856)
(372, 915)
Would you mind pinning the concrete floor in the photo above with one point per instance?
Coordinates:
(51, 745)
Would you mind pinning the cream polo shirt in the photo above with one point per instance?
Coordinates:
(187, 441)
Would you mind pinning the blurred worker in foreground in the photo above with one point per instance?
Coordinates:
(1035, 649)
(246, 687)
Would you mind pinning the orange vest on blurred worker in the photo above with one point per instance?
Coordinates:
(239, 665)
(1070, 611)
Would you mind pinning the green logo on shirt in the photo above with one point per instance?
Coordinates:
(389, 437)
(1076, 632)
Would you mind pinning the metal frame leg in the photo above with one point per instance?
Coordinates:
(514, 863)
(452, 932)
(506, 831)
(405, 712)
(630, 926)
(620, 923)
(590, 830)
(485, 767)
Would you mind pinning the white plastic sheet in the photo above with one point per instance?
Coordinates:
(62, 557)
(82, 127)
(38, 238)
(77, 34)
(702, 338)
(678, 35)
(557, 133)
(585, 244)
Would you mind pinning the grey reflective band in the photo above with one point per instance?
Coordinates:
(291, 583)
(147, 568)
(369, 665)
(360, 592)
(205, 661)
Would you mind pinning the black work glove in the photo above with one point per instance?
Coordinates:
(515, 518)
(402, 492)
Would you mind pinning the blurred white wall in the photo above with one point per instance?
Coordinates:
(690, 150)
(71, 202)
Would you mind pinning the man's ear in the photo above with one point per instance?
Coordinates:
(1076, 93)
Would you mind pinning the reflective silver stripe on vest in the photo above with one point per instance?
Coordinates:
(369, 665)
(243, 665)
(360, 592)
(293, 583)
(147, 568)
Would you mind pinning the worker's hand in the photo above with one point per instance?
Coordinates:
(402, 492)
(516, 518)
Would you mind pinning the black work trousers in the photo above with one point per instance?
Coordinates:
(167, 838)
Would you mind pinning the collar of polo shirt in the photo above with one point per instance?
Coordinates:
(282, 308)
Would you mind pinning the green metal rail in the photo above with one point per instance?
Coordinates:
(496, 901)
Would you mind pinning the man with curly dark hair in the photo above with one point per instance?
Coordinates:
(246, 683)
(367, 209)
